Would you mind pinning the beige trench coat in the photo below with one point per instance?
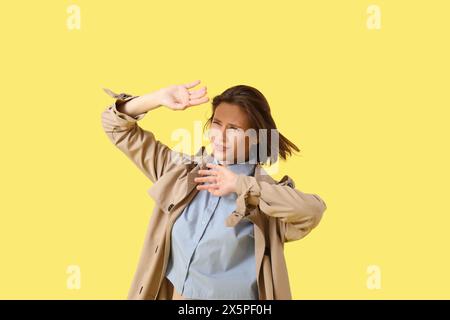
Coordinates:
(279, 212)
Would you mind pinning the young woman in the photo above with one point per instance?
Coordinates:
(220, 222)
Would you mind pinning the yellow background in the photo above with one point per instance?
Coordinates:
(368, 108)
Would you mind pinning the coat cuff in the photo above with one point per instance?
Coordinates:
(248, 192)
(123, 119)
(247, 185)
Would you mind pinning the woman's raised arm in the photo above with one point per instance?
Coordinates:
(119, 122)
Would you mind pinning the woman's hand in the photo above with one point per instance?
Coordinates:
(176, 97)
(179, 97)
(222, 180)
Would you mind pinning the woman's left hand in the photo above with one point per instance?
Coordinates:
(222, 180)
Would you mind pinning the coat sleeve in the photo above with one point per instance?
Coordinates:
(151, 156)
(297, 212)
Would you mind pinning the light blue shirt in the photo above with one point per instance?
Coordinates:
(209, 260)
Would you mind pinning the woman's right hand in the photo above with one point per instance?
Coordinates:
(179, 97)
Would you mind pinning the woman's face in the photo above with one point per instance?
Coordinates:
(227, 133)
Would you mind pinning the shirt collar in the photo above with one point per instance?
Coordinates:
(245, 168)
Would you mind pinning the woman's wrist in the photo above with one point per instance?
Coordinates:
(142, 104)
(152, 100)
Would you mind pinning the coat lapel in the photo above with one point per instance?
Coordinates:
(176, 184)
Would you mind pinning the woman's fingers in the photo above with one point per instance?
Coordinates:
(207, 172)
(191, 84)
(216, 167)
(197, 93)
(210, 176)
(209, 187)
(195, 102)
(195, 97)
(205, 179)
(198, 97)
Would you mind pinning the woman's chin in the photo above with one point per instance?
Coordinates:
(220, 155)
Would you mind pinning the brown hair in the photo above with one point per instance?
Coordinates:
(253, 102)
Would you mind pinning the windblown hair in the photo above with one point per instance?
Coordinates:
(255, 105)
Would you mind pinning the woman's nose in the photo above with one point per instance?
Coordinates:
(223, 133)
(220, 134)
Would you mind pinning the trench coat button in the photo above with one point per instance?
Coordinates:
(140, 290)
(170, 207)
(156, 248)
